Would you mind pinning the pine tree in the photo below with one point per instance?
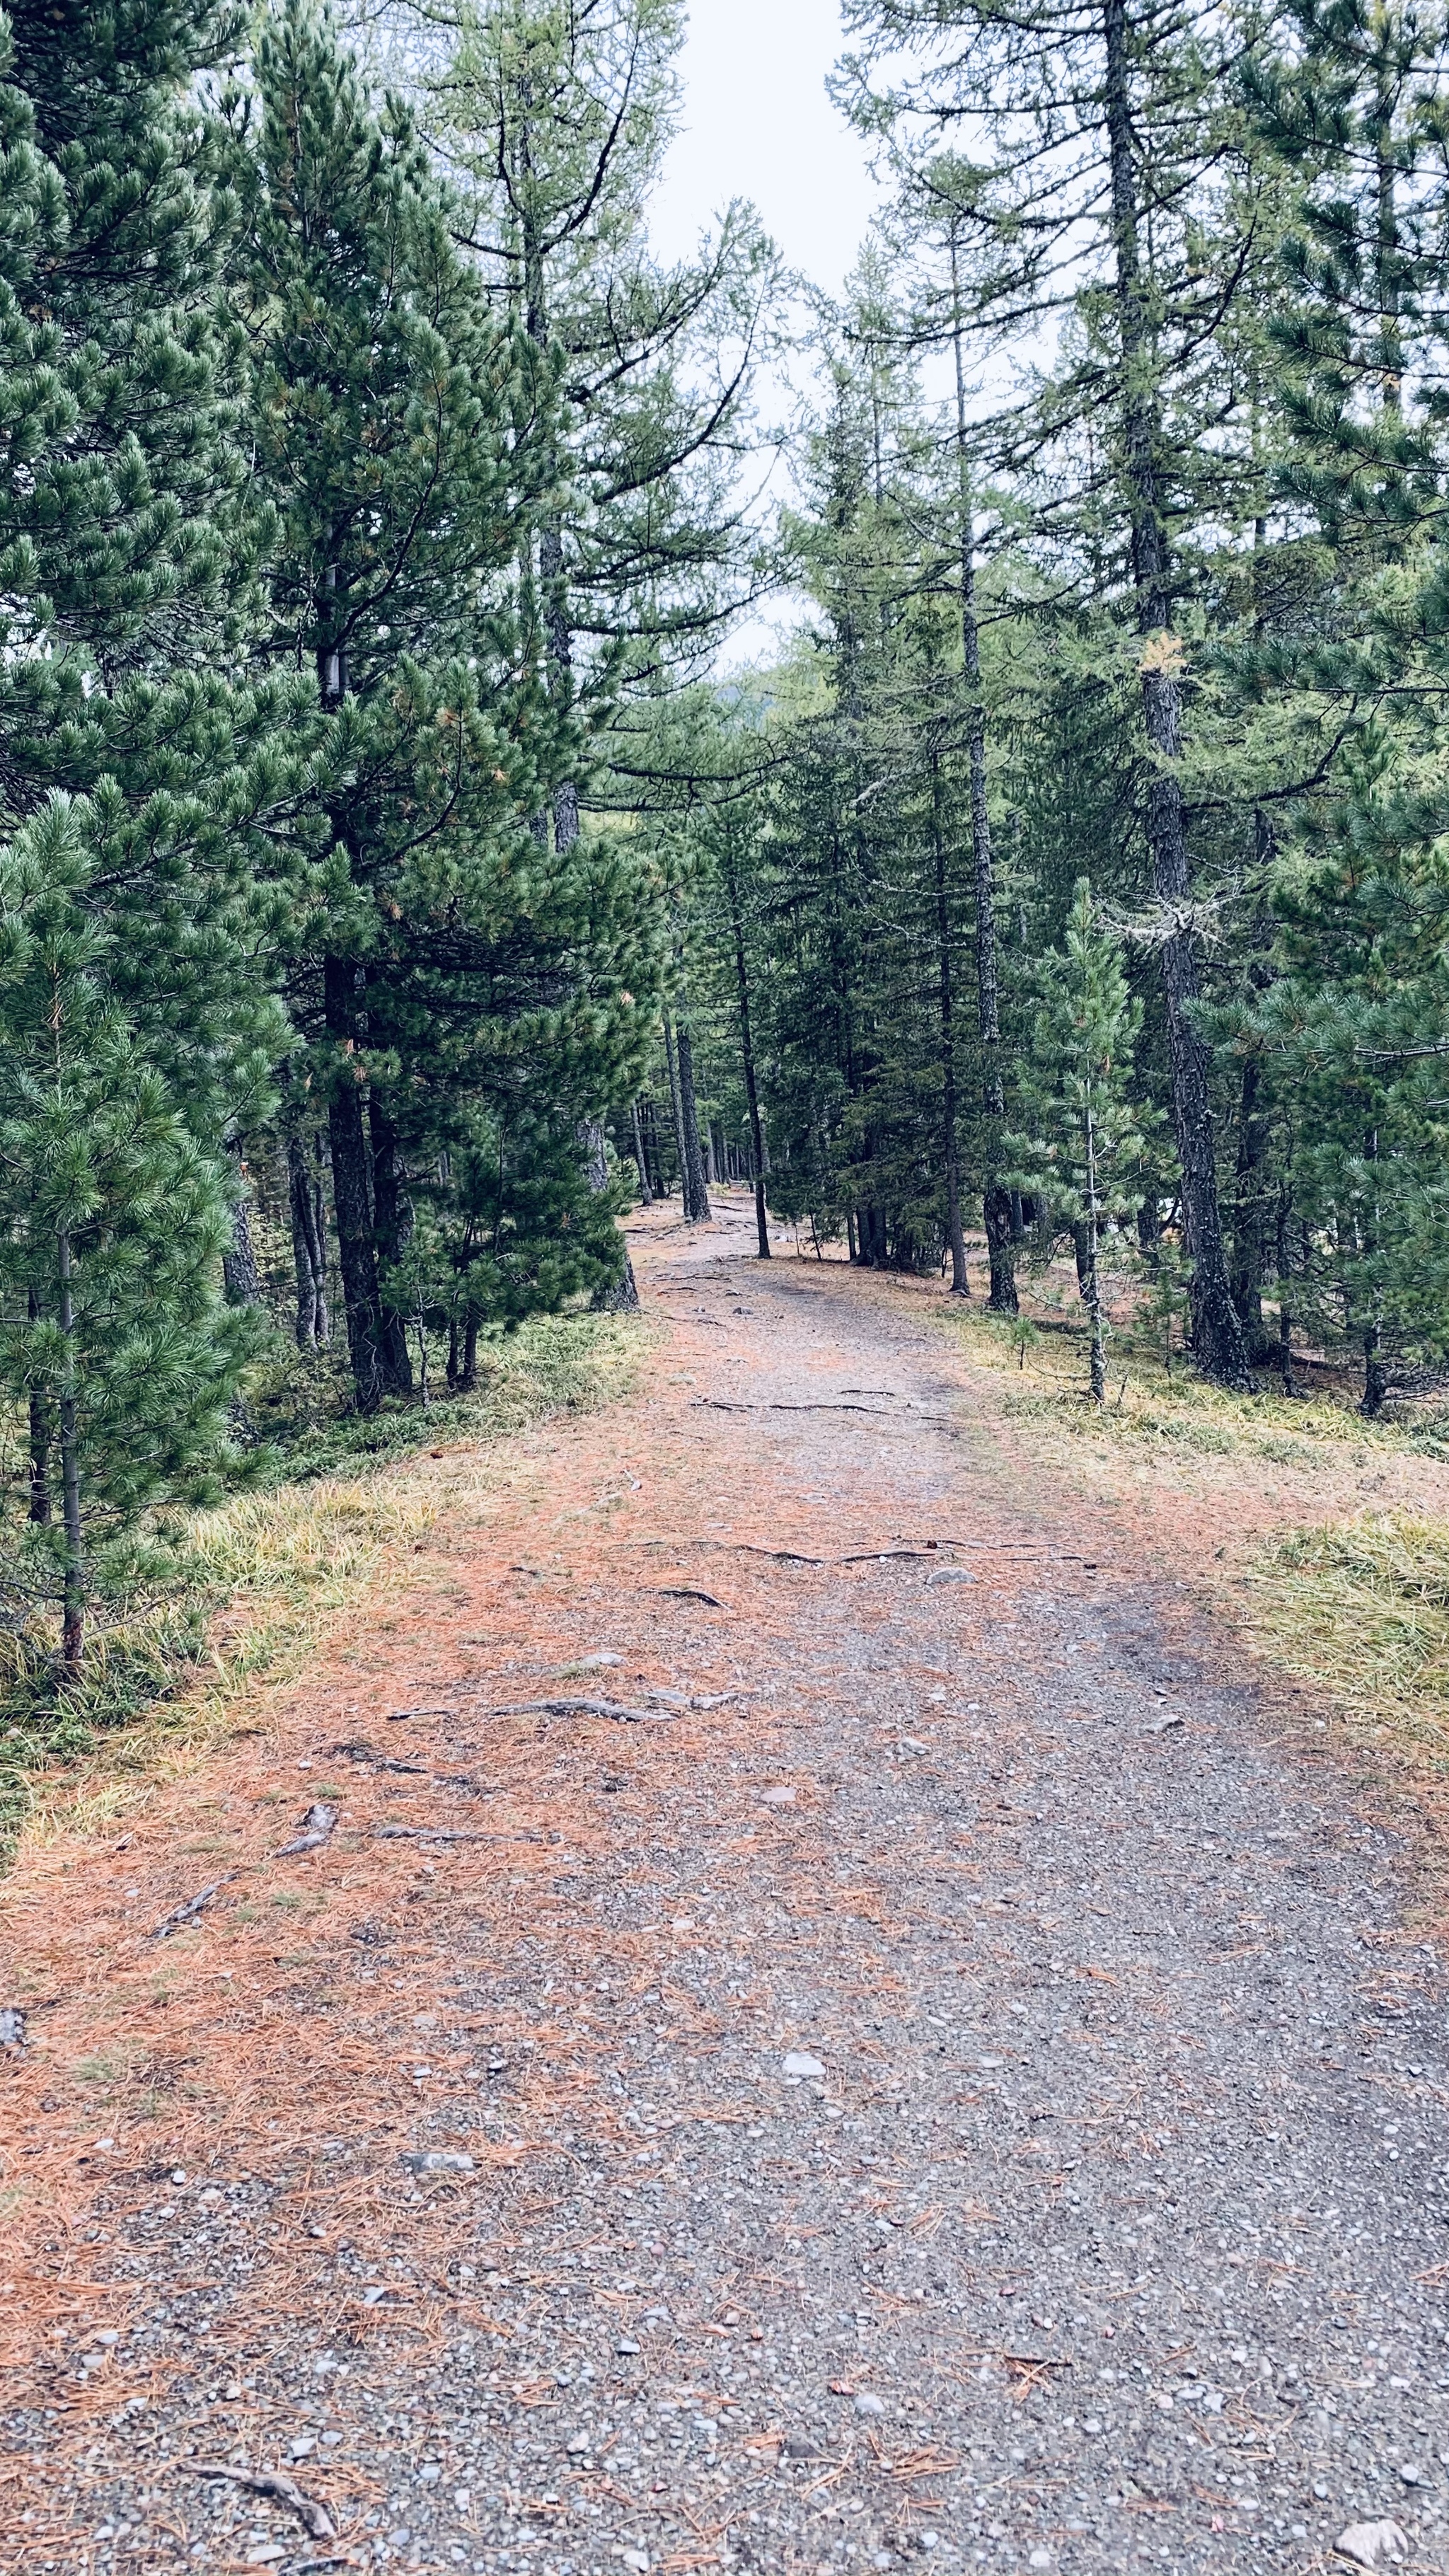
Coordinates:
(1084, 1148)
(111, 1328)
(1073, 122)
(465, 990)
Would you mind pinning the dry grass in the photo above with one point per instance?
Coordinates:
(267, 1576)
(1362, 1611)
(1261, 1501)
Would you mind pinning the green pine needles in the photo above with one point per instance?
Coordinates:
(1082, 1158)
(115, 1346)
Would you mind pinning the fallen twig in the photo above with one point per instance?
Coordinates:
(689, 1592)
(722, 1404)
(194, 1905)
(577, 1708)
(318, 1826)
(314, 2517)
(446, 1834)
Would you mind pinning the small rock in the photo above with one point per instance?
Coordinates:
(797, 2063)
(1373, 2544)
(576, 2445)
(777, 1797)
(434, 2160)
(626, 2345)
(1040, 2558)
(1160, 1725)
(429, 2474)
(1412, 2476)
(947, 1574)
(867, 2403)
(636, 2560)
(12, 2027)
(462, 2498)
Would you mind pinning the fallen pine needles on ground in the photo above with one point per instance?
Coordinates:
(265, 1575)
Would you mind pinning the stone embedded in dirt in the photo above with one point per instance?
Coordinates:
(797, 2063)
(867, 2403)
(950, 1574)
(636, 2560)
(1373, 2544)
(434, 2160)
(777, 1797)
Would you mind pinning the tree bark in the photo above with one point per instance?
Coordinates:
(645, 1193)
(241, 1275)
(356, 1257)
(1217, 1334)
(42, 1432)
(391, 1228)
(307, 1248)
(945, 1004)
(73, 1611)
(1092, 1286)
(696, 1195)
(996, 1198)
(747, 1052)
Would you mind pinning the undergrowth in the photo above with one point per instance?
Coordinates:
(1043, 1372)
(1361, 1610)
(265, 1572)
(1357, 1608)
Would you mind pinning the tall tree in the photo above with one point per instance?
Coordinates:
(1073, 116)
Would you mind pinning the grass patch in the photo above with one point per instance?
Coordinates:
(1361, 1610)
(1153, 1407)
(268, 1572)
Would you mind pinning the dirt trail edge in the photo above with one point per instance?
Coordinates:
(834, 2033)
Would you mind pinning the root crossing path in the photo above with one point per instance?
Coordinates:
(835, 2033)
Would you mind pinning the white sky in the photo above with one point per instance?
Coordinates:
(757, 124)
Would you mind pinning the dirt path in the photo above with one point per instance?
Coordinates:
(949, 2077)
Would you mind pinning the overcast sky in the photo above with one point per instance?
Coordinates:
(757, 124)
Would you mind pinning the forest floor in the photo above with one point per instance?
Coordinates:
(953, 2071)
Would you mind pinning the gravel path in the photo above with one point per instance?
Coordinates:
(998, 2112)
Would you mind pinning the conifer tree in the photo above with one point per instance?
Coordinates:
(111, 1325)
(1070, 120)
(1083, 1149)
(459, 978)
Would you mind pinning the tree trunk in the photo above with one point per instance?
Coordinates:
(240, 1274)
(73, 1614)
(1217, 1334)
(42, 1432)
(996, 1198)
(1285, 1320)
(747, 1051)
(391, 1229)
(696, 1196)
(1092, 1288)
(356, 1257)
(645, 1193)
(945, 1004)
(1247, 1278)
(674, 1104)
(319, 1247)
(306, 1251)
(469, 1379)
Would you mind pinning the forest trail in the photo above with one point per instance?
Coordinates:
(948, 2081)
